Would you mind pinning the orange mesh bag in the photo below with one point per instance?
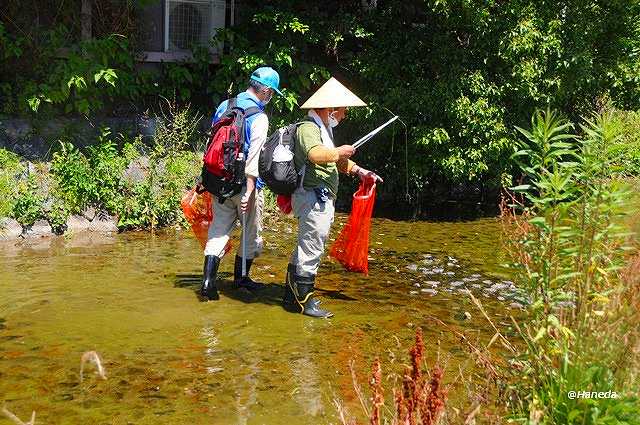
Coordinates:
(198, 210)
(351, 248)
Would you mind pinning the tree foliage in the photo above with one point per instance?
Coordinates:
(461, 74)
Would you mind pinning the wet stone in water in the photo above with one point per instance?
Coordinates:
(429, 291)
(462, 315)
(456, 283)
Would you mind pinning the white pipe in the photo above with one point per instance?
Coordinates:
(244, 244)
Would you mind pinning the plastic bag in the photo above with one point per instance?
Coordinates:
(198, 210)
(282, 154)
(351, 248)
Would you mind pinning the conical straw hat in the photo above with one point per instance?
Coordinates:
(332, 94)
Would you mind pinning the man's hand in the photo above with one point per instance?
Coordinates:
(345, 151)
(365, 174)
(246, 201)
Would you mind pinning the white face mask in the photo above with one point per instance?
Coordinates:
(333, 122)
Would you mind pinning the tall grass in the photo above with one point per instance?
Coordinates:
(568, 244)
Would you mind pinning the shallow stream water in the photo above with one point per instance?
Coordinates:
(172, 359)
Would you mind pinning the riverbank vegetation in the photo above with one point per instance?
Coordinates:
(568, 235)
(139, 182)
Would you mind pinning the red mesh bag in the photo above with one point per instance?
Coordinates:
(198, 211)
(351, 248)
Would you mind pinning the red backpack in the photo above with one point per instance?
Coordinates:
(224, 157)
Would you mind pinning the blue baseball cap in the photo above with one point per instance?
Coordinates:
(269, 77)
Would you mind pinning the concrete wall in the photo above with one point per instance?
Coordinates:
(36, 141)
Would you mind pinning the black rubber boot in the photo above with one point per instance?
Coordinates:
(245, 282)
(302, 289)
(289, 300)
(208, 288)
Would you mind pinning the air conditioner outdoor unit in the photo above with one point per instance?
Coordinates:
(192, 22)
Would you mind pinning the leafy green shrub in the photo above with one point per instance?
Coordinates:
(73, 177)
(10, 170)
(89, 181)
(627, 148)
(28, 207)
(57, 216)
(107, 167)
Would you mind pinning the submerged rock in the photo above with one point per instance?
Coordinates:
(462, 316)
(429, 291)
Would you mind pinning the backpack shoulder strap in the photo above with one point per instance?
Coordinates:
(304, 121)
(232, 103)
(253, 110)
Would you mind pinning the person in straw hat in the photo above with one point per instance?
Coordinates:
(313, 202)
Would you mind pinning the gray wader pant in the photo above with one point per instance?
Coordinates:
(314, 223)
(224, 219)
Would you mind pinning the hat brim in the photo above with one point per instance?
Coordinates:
(260, 80)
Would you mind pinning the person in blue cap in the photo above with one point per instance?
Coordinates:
(263, 83)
